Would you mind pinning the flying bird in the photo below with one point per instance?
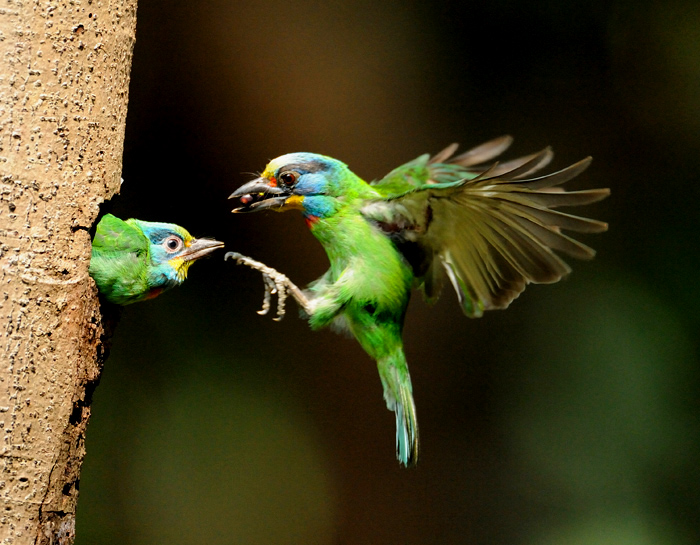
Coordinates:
(490, 229)
(136, 260)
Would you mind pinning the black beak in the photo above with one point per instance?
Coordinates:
(259, 195)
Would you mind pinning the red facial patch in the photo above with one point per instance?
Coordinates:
(273, 182)
(310, 221)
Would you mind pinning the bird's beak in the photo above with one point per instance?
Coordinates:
(258, 195)
(199, 247)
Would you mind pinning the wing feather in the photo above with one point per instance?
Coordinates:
(116, 235)
(491, 229)
(507, 166)
(556, 178)
(480, 154)
(533, 164)
(443, 167)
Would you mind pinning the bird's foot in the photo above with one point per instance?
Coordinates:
(275, 283)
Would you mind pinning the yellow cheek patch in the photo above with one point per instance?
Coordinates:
(181, 266)
(295, 201)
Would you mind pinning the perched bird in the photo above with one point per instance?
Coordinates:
(490, 230)
(135, 260)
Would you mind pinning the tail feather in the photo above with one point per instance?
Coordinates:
(398, 395)
(406, 430)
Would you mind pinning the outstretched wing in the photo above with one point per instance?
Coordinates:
(115, 235)
(491, 234)
(444, 168)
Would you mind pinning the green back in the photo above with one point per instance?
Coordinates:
(119, 263)
(115, 235)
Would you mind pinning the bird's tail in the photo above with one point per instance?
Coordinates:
(398, 394)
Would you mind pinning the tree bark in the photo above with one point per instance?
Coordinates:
(64, 80)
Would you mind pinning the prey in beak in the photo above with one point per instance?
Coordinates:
(260, 194)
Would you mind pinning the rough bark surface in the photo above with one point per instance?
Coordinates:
(64, 78)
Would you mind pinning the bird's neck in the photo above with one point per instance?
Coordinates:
(337, 223)
(345, 235)
(164, 276)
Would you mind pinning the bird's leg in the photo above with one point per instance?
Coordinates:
(275, 283)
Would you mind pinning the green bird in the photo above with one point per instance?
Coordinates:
(136, 260)
(490, 229)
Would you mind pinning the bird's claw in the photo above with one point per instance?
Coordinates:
(275, 282)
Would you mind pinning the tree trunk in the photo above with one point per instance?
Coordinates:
(63, 95)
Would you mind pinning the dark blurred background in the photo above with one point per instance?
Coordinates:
(570, 419)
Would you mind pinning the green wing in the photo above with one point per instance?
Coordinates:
(490, 234)
(115, 235)
(119, 261)
(445, 169)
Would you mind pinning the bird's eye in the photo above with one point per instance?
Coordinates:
(172, 244)
(288, 178)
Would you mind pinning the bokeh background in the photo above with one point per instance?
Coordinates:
(571, 418)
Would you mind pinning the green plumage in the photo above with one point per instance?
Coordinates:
(490, 229)
(135, 260)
